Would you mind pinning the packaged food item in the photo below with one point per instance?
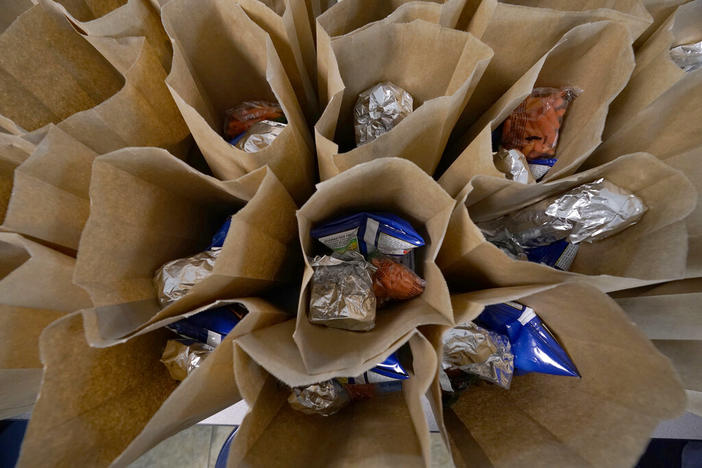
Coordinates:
(324, 398)
(586, 213)
(513, 164)
(470, 349)
(210, 326)
(559, 255)
(393, 281)
(687, 56)
(540, 166)
(367, 232)
(378, 109)
(259, 136)
(240, 118)
(341, 295)
(534, 347)
(181, 357)
(534, 126)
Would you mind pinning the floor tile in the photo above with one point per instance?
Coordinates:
(189, 448)
(219, 435)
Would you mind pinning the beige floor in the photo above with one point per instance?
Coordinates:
(198, 446)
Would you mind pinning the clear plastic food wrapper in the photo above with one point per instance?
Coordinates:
(378, 109)
(324, 398)
(534, 347)
(341, 295)
(513, 164)
(393, 281)
(474, 350)
(534, 126)
(367, 232)
(181, 357)
(687, 56)
(210, 326)
(240, 118)
(259, 136)
(177, 277)
(588, 213)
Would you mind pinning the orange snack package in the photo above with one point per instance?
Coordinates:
(533, 126)
(240, 118)
(394, 281)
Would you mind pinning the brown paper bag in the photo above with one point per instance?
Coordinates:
(604, 418)
(669, 315)
(222, 58)
(668, 128)
(36, 288)
(659, 10)
(595, 57)
(388, 430)
(87, 10)
(13, 151)
(287, 23)
(653, 250)
(108, 406)
(86, 85)
(148, 208)
(438, 66)
(412, 195)
(50, 200)
(655, 72)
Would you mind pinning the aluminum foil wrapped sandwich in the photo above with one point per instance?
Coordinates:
(513, 164)
(378, 109)
(687, 56)
(259, 136)
(181, 357)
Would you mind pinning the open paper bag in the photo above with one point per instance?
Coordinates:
(86, 85)
(660, 11)
(389, 185)
(36, 289)
(108, 406)
(221, 58)
(148, 208)
(653, 250)
(13, 151)
(386, 430)
(88, 10)
(604, 418)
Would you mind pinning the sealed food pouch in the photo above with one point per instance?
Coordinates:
(181, 357)
(242, 117)
(209, 326)
(394, 281)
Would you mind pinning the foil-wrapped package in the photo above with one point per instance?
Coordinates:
(378, 109)
(181, 357)
(260, 135)
(475, 350)
(324, 398)
(341, 295)
(588, 213)
(687, 56)
(242, 117)
(513, 164)
(177, 277)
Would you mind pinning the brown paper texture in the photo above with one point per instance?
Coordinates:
(659, 10)
(668, 128)
(414, 196)
(148, 208)
(50, 199)
(595, 57)
(382, 431)
(653, 250)
(86, 85)
(13, 151)
(36, 289)
(87, 10)
(655, 71)
(604, 418)
(220, 59)
(438, 66)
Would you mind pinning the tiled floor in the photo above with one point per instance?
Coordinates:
(198, 447)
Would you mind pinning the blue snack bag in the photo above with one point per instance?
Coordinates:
(559, 255)
(209, 326)
(367, 232)
(221, 234)
(539, 167)
(389, 370)
(535, 349)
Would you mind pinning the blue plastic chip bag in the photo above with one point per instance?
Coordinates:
(209, 326)
(559, 255)
(221, 234)
(367, 232)
(539, 167)
(535, 349)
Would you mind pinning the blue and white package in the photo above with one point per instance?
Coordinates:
(534, 347)
(559, 255)
(387, 371)
(221, 234)
(539, 167)
(367, 232)
(209, 326)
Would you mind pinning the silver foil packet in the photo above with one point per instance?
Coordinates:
(378, 109)
(177, 277)
(341, 295)
(260, 135)
(181, 359)
(586, 213)
(513, 164)
(687, 56)
(324, 398)
(475, 350)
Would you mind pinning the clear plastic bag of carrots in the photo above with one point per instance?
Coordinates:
(534, 126)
